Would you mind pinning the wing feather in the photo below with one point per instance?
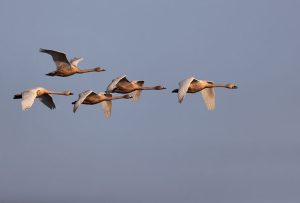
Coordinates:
(75, 61)
(28, 98)
(81, 98)
(59, 58)
(208, 95)
(106, 106)
(183, 88)
(47, 100)
(114, 83)
(137, 93)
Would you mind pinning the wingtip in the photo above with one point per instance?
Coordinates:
(211, 108)
(107, 115)
(74, 109)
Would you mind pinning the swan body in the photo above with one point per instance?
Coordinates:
(123, 86)
(66, 68)
(28, 97)
(89, 97)
(193, 85)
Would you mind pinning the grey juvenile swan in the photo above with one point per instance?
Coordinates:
(89, 97)
(64, 67)
(124, 86)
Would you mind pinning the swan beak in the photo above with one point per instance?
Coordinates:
(234, 87)
(71, 93)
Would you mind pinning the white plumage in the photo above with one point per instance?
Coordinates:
(208, 93)
(29, 96)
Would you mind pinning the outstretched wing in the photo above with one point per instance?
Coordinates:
(137, 93)
(208, 95)
(183, 88)
(28, 98)
(59, 58)
(113, 84)
(106, 106)
(75, 61)
(47, 100)
(81, 98)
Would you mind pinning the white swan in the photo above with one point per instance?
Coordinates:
(193, 85)
(28, 97)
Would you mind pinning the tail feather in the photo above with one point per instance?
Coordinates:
(18, 96)
(50, 74)
(44, 50)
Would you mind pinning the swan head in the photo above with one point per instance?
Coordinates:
(99, 69)
(159, 87)
(68, 93)
(231, 86)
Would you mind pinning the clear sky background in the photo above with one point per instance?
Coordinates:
(153, 150)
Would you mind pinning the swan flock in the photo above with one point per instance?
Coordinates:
(121, 85)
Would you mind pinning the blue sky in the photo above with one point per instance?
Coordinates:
(153, 150)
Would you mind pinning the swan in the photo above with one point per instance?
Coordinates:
(123, 86)
(64, 67)
(193, 85)
(28, 97)
(89, 97)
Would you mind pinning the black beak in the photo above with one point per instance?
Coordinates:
(235, 87)
(71, 93)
